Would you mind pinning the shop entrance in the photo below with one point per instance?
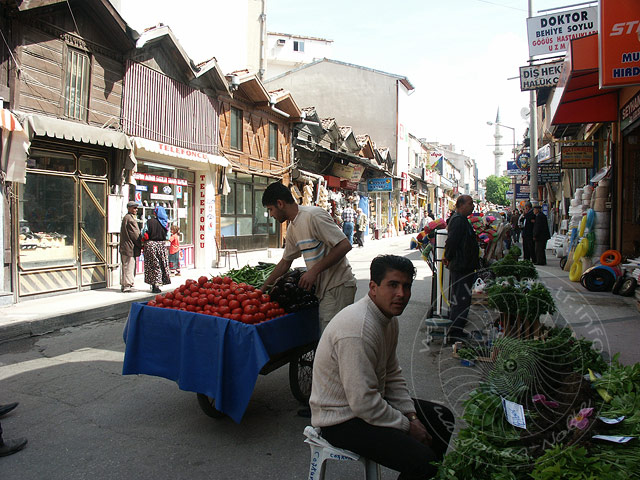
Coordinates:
(92, 233)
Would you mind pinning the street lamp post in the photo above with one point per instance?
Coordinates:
(513, 151)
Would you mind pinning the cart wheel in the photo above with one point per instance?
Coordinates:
(300, 376)
(208, 406)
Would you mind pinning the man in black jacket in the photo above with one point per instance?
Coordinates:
(540, 235)
(528, 247)
(461, 257)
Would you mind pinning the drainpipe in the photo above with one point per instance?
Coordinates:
(263, 39)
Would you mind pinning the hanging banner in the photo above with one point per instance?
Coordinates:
(576, 157)
(533, 77)
(618, 43)
(342, 171)
(553, 33)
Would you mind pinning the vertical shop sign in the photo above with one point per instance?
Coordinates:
(619, 50)
(201, 209)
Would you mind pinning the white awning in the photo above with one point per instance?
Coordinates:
(15, 145)
(153, 150)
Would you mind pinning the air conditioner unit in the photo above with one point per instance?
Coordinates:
(281, 42)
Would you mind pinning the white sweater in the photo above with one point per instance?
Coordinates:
(356, 371)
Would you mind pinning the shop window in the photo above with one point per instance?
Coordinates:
(243, 199)
(273, 140)
(229, 201)
(46, 213)
(52, 161)
(236, 128)
(242, 213)
(95, 166)
(77, 85)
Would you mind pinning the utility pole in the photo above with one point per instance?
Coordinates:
(533, 134)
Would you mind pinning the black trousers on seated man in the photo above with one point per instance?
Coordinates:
(394, 448)
(460, 300)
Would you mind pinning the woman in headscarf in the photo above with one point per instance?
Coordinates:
(156, 261)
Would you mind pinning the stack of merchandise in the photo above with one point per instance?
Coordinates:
(602, 221)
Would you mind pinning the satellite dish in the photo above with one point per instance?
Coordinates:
(524, 113)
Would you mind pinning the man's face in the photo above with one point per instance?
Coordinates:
(133, 210)
(467, 208)
(277, 211)
(393, 293)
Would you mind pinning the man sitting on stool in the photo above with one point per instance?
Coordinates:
(359, 398)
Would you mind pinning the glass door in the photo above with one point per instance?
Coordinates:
(92, 229)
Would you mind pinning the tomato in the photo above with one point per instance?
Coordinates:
(217, 299)
(191, 308)
(216, 280)
(159, 298)
(242, 297)
(224, 309)
(169, 295)
(236, 316)
(264, 298)
(250, 288)
(183, 305)
(202, 302)
(223, 302)
(198, 309)
(193, 288)
(233, 303)
(178, 296)
(245, 302)
(281, 311)
(211, 298)
(206, 307)
(250, 309)
(260, 292)
(226, 280)
(236, 310)
(207, 284)
(175, 303)
(246, 318)
(151, 303)
(264, 308)
(253, 295)
(242, 285)
(259, 317)
(202, 280)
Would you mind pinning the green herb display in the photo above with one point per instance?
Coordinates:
(254, 276)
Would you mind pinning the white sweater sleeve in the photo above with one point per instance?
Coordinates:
(358, 377)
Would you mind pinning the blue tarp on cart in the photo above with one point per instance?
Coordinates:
(215, 356)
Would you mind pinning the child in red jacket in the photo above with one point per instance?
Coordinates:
(174, 250)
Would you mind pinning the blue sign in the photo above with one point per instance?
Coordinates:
(141, 188)
(513, 170)
(384, 184)
(522, 192)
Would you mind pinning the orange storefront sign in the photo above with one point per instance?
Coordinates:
(619, 48)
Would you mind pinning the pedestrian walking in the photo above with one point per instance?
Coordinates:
(515, 226)
(174, 250)
(348, 222)
(528, 247)
(9, 447)
(540, 235)
(461, 256)
(130, 247)
(156, 261)
(361, 227)
(359, 397)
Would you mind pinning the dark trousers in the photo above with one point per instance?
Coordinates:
(394, 448)
(460, 299)
(528, 248)
(359, 237)
(540, 253)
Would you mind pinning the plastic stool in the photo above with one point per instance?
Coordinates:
(321, 451)
(434, 325)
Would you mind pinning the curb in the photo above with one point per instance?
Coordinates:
(42, 326)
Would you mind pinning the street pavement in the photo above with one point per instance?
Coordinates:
(84, 419)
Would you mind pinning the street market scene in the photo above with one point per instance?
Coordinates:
(233, 252)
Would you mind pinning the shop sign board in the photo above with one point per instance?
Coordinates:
(549, 173)
(618, 43)
(576, 156)
(147, 177)
(553, 33)
(358, 170)
(348, 185)
(533, 77)
(342, 171)
(544, 153)
(513, 170)
(522, 191)
(630, 112)
(429, 176)
(383, 184)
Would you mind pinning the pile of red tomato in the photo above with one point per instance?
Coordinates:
(221, 297)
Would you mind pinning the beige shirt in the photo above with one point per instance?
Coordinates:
(356, 371)
(312, 234)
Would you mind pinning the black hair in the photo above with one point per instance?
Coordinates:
(274, 192)
(383, 263)
(462, 199)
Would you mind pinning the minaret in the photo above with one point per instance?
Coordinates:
(496, 151)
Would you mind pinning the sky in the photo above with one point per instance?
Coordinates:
(460, 55)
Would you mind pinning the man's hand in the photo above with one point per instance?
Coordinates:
(419, 432)
(307, 280)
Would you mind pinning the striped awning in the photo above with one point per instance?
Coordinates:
(153, 150)
(9, 121)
